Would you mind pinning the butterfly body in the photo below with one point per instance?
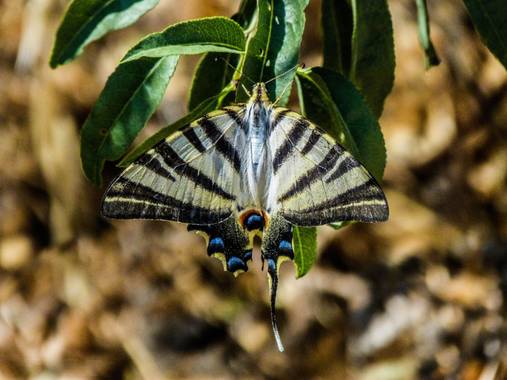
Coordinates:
(245, 171)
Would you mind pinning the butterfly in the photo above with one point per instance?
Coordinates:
(248, 170)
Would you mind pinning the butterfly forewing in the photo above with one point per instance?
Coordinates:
(193, 176)
(315, 181)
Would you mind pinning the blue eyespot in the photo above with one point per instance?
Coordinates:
(254, 222)
(235, 263)
(247, 255)
(215, 245)
(271, 265)
(285, 248)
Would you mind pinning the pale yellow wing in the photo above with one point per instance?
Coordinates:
(315, 181)
(193, 176)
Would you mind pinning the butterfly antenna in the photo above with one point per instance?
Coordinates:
(283, 92)
(274, 285)
(246, 90)
(282, 74)
(236, 69)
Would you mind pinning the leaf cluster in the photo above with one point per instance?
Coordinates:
(345, 96)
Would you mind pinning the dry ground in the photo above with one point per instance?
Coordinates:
(423, 296)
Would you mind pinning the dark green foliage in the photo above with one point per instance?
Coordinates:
(337, 35)
(358, 43)
(490, 20)
(131, 95)
(213, 73)
(274, 48)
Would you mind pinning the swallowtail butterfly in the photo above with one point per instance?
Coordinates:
(244, 171)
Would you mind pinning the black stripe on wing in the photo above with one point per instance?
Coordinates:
(128, 199)
(312, 175)
(151, 162)
(312, 140)
(363, 203)
(289, 145)
(192, 137)
(234, 115)
(279, 117)
(220, 142)
(367, 191)
(174, 161)
(346, 165)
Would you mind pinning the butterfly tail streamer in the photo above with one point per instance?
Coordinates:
(273, 279)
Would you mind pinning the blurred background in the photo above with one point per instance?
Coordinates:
(423, 296)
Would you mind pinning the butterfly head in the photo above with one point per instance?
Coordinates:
(259, 94)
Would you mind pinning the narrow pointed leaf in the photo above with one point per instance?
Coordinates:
(218, 34)
(216, 70)
(337, 34)
(490, 20)
(88, 20)
(131, 95)
(213, 73)
(304, 241)
(274, 47)
(372, 61)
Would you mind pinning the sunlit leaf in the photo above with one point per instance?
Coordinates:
(274, 48)
(218, 34)
(88, 20)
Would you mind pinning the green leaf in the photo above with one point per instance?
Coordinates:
(490, 20)
(131, 95)
(216, 70)
(218, 34)
(245, 13)
(333, 103)
(304, 243)
(423, 24)
(88, 20)
(274, 47)
(337, 35)
(212, 74)
(372, 61)
(198, 111)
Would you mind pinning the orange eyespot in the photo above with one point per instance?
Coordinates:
(253, 219)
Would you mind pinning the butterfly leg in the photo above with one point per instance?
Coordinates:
(276, 248)
(228, 242)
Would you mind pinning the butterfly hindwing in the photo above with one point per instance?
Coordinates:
(193, 176)
(315, 181)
